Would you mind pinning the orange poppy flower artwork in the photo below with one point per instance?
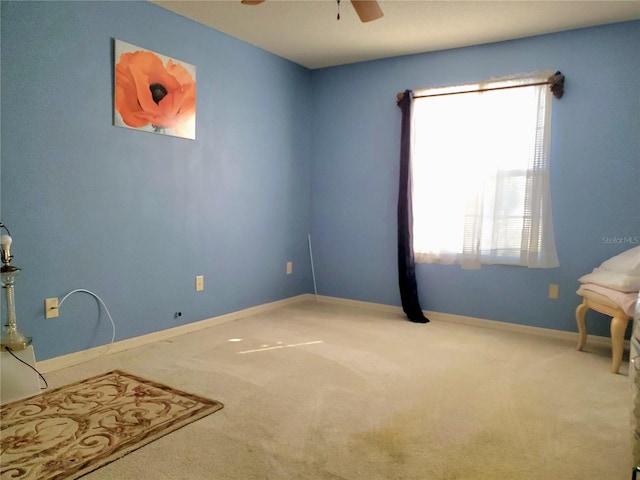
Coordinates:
(153, 92)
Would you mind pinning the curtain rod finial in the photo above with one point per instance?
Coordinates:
(400, 96)
(556, 84)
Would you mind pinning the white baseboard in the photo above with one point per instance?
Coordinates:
(82, 356)
(475, 322)
(76, 358)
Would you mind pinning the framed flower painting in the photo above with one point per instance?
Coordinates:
(153, 92)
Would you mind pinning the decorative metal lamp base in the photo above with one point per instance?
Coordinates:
(14, 341)
(11, 338)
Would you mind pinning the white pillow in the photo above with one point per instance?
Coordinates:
(615, 280)
(627, 262)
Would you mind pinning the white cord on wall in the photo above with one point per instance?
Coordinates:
(313, 272)
(113, 326)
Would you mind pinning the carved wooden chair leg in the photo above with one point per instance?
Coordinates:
(618, 328)
(581, 311)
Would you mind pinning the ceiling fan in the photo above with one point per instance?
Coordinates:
(367, 10)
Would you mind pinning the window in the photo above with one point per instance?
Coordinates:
(480, 174)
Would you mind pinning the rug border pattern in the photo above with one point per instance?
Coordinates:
(206, 407)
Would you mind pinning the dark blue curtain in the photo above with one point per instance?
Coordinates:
(406, 261)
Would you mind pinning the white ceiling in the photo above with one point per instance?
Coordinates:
(308, 33)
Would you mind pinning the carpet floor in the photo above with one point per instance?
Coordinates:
(316, 390)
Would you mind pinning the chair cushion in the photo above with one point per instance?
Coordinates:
(625, 301)
(615, 280)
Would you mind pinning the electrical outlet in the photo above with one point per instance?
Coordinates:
(554, 291)
(51, 307)
(199, 283)
(289, 268)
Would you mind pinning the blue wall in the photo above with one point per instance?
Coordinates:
(135, 216)
(595, 173)
(281, 151)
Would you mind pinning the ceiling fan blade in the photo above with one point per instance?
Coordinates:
(367, 10)
(252, 2)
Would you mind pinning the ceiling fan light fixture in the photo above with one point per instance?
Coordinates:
(367, 10)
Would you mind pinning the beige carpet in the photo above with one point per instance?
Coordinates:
(324, 392)
(72, 430)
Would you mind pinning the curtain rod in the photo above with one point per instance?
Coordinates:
(555, 82)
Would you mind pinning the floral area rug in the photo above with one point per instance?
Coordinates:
(70, 431)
